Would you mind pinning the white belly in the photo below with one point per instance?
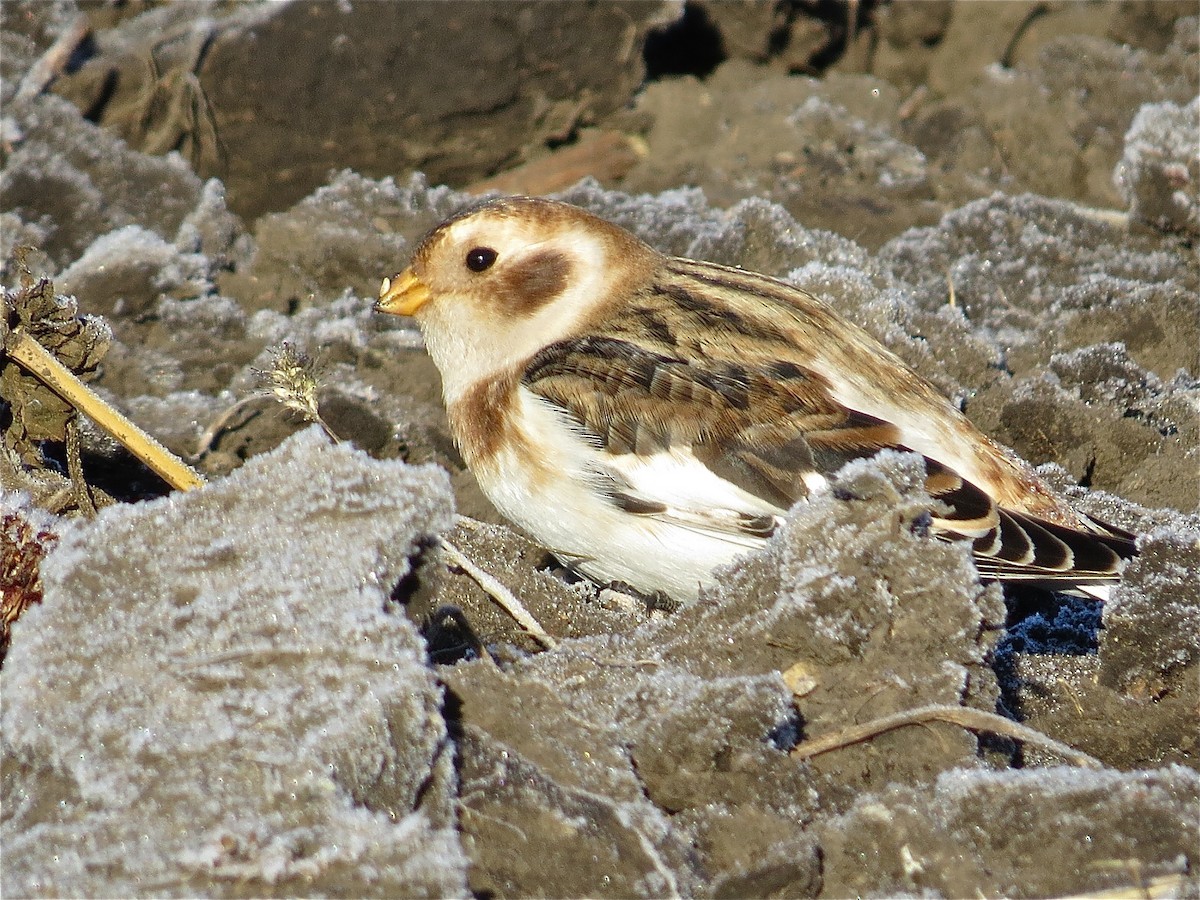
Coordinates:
(551, 499)
(606, 543)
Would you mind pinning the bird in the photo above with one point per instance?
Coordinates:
(649, 418)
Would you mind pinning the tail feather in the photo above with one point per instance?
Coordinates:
(1014, 546)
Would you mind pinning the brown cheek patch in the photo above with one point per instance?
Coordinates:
(536, 281)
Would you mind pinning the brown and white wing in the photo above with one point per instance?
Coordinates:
(720, 445)
(727, 446)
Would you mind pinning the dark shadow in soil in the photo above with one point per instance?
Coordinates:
(691, 46)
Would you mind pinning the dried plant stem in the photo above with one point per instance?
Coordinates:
(1162, 886)
(963, 716)
(41, 363)
(79, 486)
(51, 63)
(502, 595)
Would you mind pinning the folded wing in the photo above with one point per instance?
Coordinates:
(724, 445)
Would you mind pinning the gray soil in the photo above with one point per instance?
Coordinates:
(280, 684)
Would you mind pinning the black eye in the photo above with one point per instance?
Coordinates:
(481, 258)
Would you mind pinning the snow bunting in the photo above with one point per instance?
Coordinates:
(648, 418)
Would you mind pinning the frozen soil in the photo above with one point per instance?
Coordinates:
(279, 685)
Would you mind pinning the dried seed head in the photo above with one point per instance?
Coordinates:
(292, 380)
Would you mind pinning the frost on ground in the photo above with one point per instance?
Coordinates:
(853, 611)
(1051, 833)
(655, 759)
(218, 697)
(1159, 175)
(215, 697)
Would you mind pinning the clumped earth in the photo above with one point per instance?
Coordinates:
(284, 684)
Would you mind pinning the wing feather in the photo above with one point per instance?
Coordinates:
(741, 437)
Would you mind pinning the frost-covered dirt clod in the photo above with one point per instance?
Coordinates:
(216, 693)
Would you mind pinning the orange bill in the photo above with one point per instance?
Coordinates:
(402, 295)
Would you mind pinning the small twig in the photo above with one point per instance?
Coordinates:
(51, 63)
(41, 363)
(83, 496)
(912, 103)
(1162, 886)
(963, 716)
(1009, 55)
(607, 155)
(1116, 218)
(217, 425)
(502, 595)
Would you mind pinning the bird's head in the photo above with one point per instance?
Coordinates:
(492, 286)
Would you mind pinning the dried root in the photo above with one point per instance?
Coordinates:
(976, 720)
